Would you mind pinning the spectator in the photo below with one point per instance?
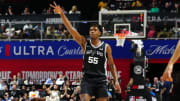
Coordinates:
(60, 31)
(2, 92)
(27, 29)
(2, 28)
(43, 92)
(2, 31)
(66, 35)
(50, 32)
(14, 80)
(102, 4)
(60, 80)
(6, 97)
(50, 11)
(113, 4)
(26, 11)
(14, 92)
(74, 10)
(20, 81)
(76, 82)
(75, 96)
(127, 5)
(54, 94)
(156, 88)
(166, 8)
(2, 84)
(25, 97)
(154, 8)
(23, 90)
(54, 81)
(165, 31)
(28, 81)
(9, 32)
(136, 4)
(44, 11)
(175, 8)
(33, 94)
(49, 81)
(151, 32)
(38, 29)
(9, 11)
(67, 92)
(148, 83)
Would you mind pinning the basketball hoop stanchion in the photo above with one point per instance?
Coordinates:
(138, 91)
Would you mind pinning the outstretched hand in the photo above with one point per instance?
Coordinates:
(167, 73)
(57, 8)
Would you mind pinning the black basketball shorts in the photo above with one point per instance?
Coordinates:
(94, 88)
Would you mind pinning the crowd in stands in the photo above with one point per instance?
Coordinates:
(27, 11)
(63, 89)
(159, 89)
(153, 6)
(164, 30)
(51, 89)
(34, 31)
(37, 31)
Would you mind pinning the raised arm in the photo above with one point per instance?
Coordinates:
(172, 61)
(77, 37)
(112, 68)
(176, 54)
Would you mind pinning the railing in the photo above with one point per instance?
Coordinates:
(40, 30)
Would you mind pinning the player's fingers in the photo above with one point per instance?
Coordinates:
(170, 77)
(52, 6)
(167, 76)
(117, 89)
(55, 3)
(164, 76)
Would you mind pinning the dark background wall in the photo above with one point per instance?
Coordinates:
(88, 8)
(157, 69)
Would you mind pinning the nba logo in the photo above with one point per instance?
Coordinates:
(132, 98)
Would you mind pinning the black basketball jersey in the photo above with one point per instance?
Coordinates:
(95, 61)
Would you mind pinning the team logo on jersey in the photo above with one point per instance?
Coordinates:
(101, 49)
(99, 53)
(138, 69)
(93, 53)
(88, 51)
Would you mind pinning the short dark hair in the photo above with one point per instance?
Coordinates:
(98, 26)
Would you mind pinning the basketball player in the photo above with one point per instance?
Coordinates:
(96, 53)
(168, 71)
